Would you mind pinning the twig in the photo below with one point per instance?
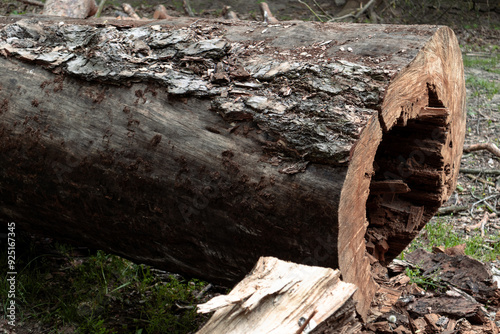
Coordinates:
(480, 171)
(354, 15)
(448, 210)
(204, 291)
(477, 178)
(304, 325)
(33, 2)
(187, 8)
(364, 9)
(342, 17)
(483, 200)
(311, 10)
(321, 8)
(483, 222)
(99, 9)
(483, 146)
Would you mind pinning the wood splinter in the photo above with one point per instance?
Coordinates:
(266, 13)
(275, 297)
(161, 13)
(127, 8)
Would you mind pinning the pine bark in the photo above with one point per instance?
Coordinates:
(198, 146)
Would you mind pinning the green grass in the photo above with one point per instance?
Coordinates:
(484, 87)
(430, 282)
(490, 63)
(440, 233)
(100, 293)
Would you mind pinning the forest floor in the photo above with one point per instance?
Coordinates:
(106, 294)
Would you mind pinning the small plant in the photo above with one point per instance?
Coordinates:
(483, 87)
(438, 232)
(426, 282)
(98, 293)
(488, 63)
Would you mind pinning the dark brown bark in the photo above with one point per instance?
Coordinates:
(199, 146)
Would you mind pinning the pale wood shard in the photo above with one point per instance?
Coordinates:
(70, 8)
(280, 297)
(219, 142)
(161, 13)
(127, 8)
(229, 14)
(266, 13)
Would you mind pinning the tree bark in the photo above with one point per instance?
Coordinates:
(198, 146)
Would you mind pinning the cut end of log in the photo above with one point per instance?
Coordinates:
(405, 164)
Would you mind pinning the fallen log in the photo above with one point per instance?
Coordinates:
(198, 146)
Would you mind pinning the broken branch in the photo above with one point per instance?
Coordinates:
(483, 146)
(480, 171)
(266, 13)
(130, 11)
(33, 2)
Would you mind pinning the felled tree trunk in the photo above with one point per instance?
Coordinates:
(198, 146)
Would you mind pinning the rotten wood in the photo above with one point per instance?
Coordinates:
(280, 297)
(217, 142)
(70, 8)
(460, 271)
(389, 187)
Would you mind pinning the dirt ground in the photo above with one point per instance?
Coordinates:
(478, 30)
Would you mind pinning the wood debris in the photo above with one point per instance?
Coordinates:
(463, 287)
(266, 13)
(161, 13)
(283, 297)
(127, 8)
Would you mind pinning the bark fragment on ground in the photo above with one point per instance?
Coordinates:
(464, 299)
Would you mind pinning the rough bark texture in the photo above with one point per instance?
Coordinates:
(198, 146)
